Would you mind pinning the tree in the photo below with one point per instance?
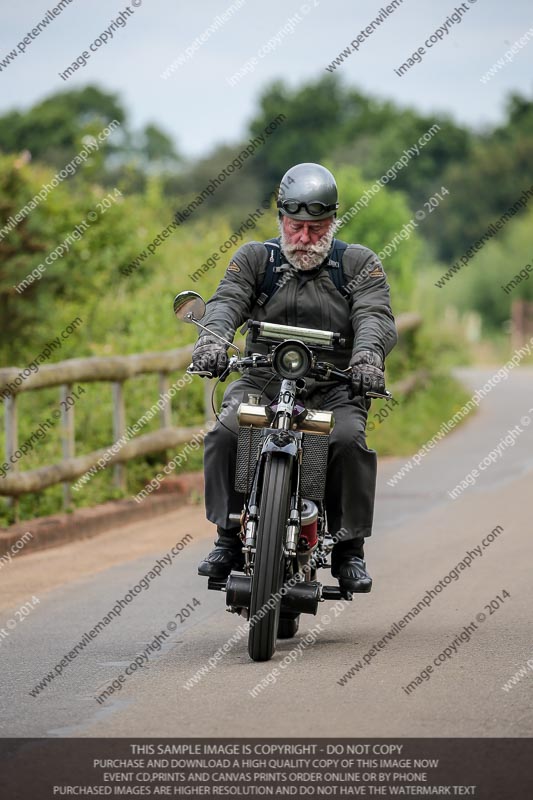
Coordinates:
(83, 241)
(481, 190)
(376, 225)
(55, 130)
(447, 144)
(157, 149)
(500, 273)
(319, 118)
(519, 118)
(326, 120)
(52, 130)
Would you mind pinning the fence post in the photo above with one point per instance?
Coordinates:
(521, 322)
(67, 436)
(165, 415)
(119, 428)
(11, 422)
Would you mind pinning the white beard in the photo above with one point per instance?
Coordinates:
(314, 253)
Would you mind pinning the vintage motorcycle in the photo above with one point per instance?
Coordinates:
(282, 457)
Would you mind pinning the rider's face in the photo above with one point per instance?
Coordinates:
(306, 243)
(304, 232)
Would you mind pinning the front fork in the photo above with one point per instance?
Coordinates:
(278, 439)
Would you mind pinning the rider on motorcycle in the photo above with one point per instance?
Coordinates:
(304, 295)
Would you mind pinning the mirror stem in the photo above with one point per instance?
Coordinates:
(212, 333)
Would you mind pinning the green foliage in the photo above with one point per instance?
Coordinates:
(240, 191)
(55, 130)
(486, 181)
(51, 130)
(325, 121)
(157, 148)
(315, 115)
(32, 315)
(416, 419)
(482, 283)
(423, 174)
(329, 121)
(481, 190)
(519, 123)
(375, 226)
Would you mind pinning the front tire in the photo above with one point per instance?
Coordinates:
(268, 564)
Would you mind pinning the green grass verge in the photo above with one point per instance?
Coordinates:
(411, 423)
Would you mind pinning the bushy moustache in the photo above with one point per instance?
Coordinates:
(313, 254)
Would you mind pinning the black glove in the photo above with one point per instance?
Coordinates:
(209, 355)
(368, 373)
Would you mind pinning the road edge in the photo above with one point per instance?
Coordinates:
(84, 523)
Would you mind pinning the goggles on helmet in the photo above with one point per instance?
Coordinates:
(316, 208)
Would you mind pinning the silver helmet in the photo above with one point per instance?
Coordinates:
(308, 192)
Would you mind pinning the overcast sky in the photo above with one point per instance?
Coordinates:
(198, 107)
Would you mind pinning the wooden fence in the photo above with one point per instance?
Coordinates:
(115, 370)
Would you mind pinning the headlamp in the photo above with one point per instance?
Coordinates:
(292, 359)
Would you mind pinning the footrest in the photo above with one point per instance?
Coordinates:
(218, 584)
(334, 593)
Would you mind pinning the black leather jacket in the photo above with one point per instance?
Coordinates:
(362, 313)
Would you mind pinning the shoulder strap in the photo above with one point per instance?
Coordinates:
(274, 268)
(334, 265)
(272, 272)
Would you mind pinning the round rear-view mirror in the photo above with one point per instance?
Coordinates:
(189, 306)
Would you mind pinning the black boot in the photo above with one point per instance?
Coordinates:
(347, 564)
(226, 555)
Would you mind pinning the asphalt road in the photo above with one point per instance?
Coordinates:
(421, 534)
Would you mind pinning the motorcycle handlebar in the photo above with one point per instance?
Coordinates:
(252, 361)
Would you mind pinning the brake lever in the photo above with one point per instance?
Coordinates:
(202, 372)
(385, 396)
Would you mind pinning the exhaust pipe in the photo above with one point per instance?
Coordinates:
(303, 598)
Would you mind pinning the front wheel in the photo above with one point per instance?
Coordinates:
(267, 579)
